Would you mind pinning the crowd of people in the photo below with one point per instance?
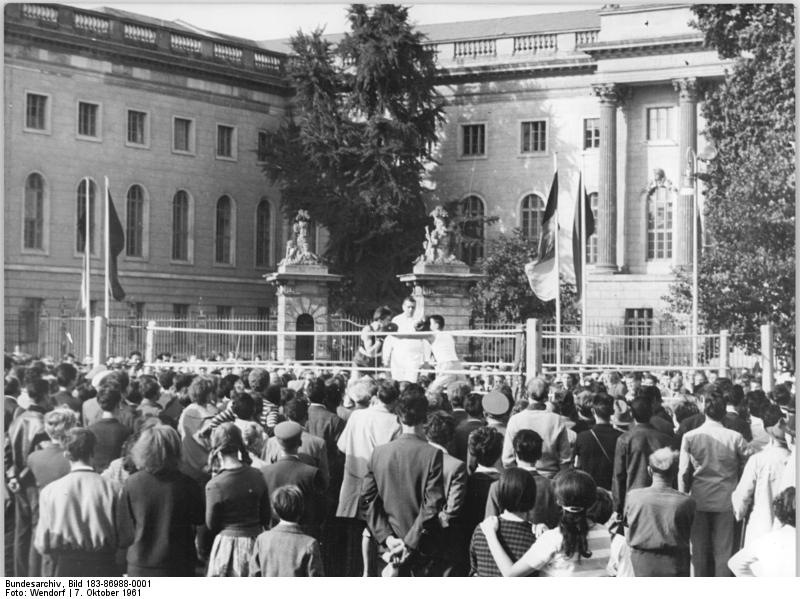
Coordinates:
(153, 471)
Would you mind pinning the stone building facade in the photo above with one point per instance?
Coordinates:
(173, 116)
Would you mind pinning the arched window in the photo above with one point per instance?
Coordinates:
(531, 211)
(80, 230)
(659, 224)
(134, 222)
(223, 237)
(591, 243)
(180, 226)
(263, 222)
(472, 229)
(33, 234)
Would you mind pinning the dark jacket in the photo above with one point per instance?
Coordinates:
(596, 455)
(156, 516)
(460, 443)
(293, 470)
(403, 493)
(630, 460)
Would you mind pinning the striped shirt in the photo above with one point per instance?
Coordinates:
(546, 556)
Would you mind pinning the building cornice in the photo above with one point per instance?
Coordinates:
(692, 42)
(505, 71)
(62, 36)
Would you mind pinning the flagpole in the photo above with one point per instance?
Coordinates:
(558, 278)
(106, 243)
(87, 269)
(584, 277)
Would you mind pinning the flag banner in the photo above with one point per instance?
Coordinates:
(583, 211)
(116, 243)
(542, 273)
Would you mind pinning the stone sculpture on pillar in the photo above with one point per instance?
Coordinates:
(438, 246)
(297, 248)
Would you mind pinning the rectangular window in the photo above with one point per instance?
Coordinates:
(183, 135)
(225, 141)
(224, 312)
(473, 140)
(180, 311)
(29, 315)
(659, 123)
(638, 328)
(534, 137)
(591, 133)
(36, 112)
(137, 127)
(261, 154)
(87, 119)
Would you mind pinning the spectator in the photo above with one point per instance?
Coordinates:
(474, 409)
(760, 481)
(595, 448)
(237, 504)
(159, 508)
(286, 550)
(110, 432)
(516, 496)
(633, 449)
(485, 447)
(775, 553)
(76, 516)
(556, 450)
(403, 504)
(659, 521)
(710, 461)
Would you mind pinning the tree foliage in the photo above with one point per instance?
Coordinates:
(505, 294)
(365, 122)
(747, 273)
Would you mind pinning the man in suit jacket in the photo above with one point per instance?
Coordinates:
(290, 469)
(327, 426)
(311, 446)
(403, 492)
(439, 429)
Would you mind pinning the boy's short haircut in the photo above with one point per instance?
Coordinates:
(288, 503)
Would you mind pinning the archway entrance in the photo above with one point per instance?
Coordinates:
(304, 348)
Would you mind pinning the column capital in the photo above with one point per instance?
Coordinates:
(688, 88)
(609, 93)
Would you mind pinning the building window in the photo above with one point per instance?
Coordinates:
(638, 328)
(80, 237)
(137, 128)
(33, 233)
(36, 112)
(261, 153)
(29, 314)
(659, 123)
(183, 135)
(472, 232)
(223, 240)
(224, 312)
(530, 220)
(534, 137)
(262, 313)
(180, 226)
(473, 140)
(262, 233)
(226, 141)
(180, 311)
(659, 225)
(88, 116)
(591, 243)
(591, 133)
(134, 222)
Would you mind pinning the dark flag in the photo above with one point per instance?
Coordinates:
(543, 272)
(116, 243)
(582, 206)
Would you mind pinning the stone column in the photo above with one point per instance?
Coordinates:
(687, 138)
(609, 95)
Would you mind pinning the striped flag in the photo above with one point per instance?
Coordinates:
(583, 211)
(543, 273)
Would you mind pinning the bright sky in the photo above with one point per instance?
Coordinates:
(276, 20)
